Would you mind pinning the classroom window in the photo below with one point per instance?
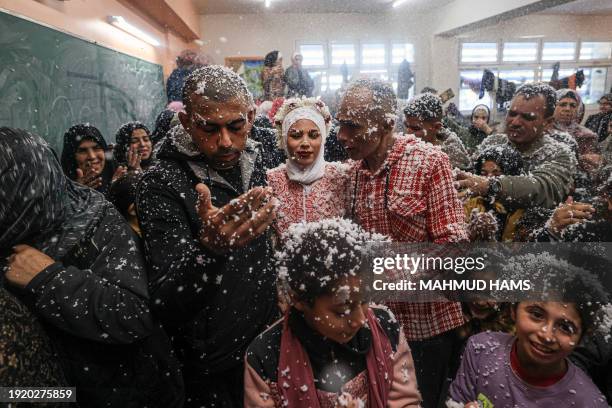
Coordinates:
(314, 55)
(343, 53)
(335, 82)
(520, 52)
(595, 50)
(468, 91)
(320, 81)
(479, 52)
(381, 74)
(401, 52)
(559, 51)
(547, 73)
(373, 54)
(518, 76)
(594, 84)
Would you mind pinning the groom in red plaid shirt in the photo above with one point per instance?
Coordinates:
(403, 188)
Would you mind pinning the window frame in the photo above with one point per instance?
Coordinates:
(538, 66)
(328, 69)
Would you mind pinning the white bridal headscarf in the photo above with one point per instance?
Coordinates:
(316, 170)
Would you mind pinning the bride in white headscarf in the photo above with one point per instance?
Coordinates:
(308, 188)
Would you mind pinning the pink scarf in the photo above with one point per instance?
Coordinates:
(296, 380)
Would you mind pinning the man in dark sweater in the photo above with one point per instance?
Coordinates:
(204, 210)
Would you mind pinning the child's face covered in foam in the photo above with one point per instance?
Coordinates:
(338, 315)
(547, 332)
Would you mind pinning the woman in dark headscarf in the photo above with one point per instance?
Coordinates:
(566, 120)
(480, 129)
(133, 147)
(272, 76)
(87, 159)
(75, 262)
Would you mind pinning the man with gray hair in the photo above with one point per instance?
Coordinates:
(403, 188)
(204, 211)
(549, 165)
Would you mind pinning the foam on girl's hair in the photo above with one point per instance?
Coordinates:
(316, 255)
(426, 107)
(562, 281)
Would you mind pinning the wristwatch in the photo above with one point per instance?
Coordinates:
(495, 186)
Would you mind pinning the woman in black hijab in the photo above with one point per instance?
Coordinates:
(75, 263)
(133, 146)
(87, 159)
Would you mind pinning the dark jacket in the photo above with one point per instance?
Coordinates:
(589, 231)
(162, 125)
(72, 139)
(213, 305)
(298, 82)
(174, 84)
(272, 155)
(598, 123)
(93, 300)
(94, 305)
(594, 356)
(334, 151)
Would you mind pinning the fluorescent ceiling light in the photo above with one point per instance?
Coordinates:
(120, 23)
(533, 36)
(398, 3)
(268, 2)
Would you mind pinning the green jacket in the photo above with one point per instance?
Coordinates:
(549, 168)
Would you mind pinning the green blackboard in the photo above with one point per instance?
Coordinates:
(50, 81)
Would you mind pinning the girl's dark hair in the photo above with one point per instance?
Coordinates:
(271, 58)
(123, 139)
(559, 280)
(317, 255)
(509, 160)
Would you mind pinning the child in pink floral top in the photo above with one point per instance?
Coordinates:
(308, 188)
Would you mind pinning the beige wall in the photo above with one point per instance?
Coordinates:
(87, 19)
(256, 34)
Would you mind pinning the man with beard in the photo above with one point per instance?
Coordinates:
(549, 165)
(204, 210)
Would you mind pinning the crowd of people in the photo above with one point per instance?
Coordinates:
(217, 263)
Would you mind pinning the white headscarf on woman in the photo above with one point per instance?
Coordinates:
(316, 170)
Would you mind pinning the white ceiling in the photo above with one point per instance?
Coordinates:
(582, 7)
(314, 6)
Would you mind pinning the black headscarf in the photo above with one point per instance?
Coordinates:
(72, 139)
(162, 125)
(39, 205)
(270, 58)
(509, 160)
(123, 139)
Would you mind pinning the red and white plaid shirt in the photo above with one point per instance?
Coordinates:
(411, 198)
